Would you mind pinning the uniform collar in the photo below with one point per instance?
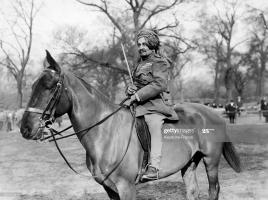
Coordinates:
(149, 56)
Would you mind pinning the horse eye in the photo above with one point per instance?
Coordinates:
(48, 84)
(49, 87)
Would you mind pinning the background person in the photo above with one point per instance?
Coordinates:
(231, 110)
(264, 109)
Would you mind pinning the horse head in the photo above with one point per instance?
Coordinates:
(48, 100)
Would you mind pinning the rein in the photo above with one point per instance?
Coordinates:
(86, 129)
(50, 110)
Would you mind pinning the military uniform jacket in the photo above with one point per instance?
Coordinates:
(151, 78)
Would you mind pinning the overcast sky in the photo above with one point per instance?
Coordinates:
(59, 13)
(53, 15)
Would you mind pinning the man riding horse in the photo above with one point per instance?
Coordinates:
(113, 157)
(151, 93)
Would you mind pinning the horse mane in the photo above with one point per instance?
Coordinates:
(90, 89)
(85, 83)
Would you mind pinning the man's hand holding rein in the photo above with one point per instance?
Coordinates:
(131, 100)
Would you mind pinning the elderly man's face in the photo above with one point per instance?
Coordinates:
(142, 47)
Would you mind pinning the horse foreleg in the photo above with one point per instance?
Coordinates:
(127, 191)
(111, 193)
(212, 173)
(189, 179)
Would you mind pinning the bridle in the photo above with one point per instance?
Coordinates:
(50, 111)
(51, 105)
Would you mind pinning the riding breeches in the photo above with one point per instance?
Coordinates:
(155, 123)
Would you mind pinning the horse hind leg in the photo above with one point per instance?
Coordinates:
(212, 174)
(189, 177)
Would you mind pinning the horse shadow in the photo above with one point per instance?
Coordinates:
(167, 190)
(161, 190)
(157, 190)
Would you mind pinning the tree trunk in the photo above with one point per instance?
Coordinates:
(262, 80)
(181, 92)
(216, 84)
(171, 83)
(229, 74)
(20, 95)
(229, 84)
(258, 94)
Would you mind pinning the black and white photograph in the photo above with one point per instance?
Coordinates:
(134, 100)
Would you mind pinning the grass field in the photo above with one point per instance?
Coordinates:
(33, 171)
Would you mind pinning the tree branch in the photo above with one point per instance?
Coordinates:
(105, 11)
(158, 9)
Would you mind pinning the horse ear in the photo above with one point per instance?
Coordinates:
(51, 63)
(45, 63)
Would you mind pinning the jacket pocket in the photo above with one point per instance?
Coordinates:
(145, 74)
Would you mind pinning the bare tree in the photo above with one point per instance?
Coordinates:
(176, 79)
(133, 15)
(126, 18)
(79, 54)
(198, 88)
(242, 80)
(6, 88)
(102, 67)
(228, 13)
(210, 44)
(17, 50)
(258, 48)
(179, 51)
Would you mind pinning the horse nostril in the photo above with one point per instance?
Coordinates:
(26, 130)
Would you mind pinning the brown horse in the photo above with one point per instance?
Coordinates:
(107, 143)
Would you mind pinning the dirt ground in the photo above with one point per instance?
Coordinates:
(33, 171)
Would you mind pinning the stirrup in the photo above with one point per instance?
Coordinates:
(146, 178)
(151, 165)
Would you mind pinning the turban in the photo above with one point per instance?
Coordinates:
(151, 38)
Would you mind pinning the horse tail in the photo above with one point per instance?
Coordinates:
(231, 156)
